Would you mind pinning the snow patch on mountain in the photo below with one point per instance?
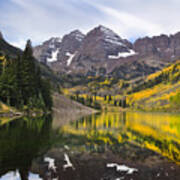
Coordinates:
(59, 40)
(51, 46)
(111, 36)
(106, 30)
(123, 54)
(113, 41)
(54, 56)
(77, 35)
(54, 41)
(71, 56)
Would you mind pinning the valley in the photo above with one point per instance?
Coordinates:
(82, 98)
(103, 71)
(89, 90)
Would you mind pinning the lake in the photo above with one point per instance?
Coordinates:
(104, 146)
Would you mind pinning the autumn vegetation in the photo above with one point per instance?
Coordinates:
(157, 92)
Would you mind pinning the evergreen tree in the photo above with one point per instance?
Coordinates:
(21, 83)
(46, 93)
(28, 74)
(8, 84)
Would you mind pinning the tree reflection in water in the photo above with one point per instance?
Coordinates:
(21, 141)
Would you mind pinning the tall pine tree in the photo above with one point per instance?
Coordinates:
(21, 83)
(28, 74)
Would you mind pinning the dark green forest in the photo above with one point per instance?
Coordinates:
(21, 84)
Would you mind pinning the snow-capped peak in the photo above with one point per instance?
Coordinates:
(78, 35)
(56, 39)
(53, 42)
(105, 29)
(110, 36)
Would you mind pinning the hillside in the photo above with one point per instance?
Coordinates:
(160, 91)
(8, 49)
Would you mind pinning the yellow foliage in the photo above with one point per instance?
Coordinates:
(157, 97)
(4, 107)
(154, 131)
(3, 59)
(165, 70)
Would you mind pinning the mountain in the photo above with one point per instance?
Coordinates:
(102, 44)
(99, 49)
(48, 50)
(6, 48)
(102, 52)
(80, 53)
(69, 47)
(163, 46)
(58, 52)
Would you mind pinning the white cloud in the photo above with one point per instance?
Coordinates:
(42, 19)
(127, 24)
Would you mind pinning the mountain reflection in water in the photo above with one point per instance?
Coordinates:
(26, 142)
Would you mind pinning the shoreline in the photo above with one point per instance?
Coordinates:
(66, 110)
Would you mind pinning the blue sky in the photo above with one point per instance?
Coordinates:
(41, 19)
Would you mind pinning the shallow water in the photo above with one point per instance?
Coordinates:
(77, 149)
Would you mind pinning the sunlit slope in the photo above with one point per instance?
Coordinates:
(160, 91)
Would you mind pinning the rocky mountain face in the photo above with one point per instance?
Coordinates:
(101, 44)
(58, 52)
(69, 47)
(103, 52)
(90, 54)
(99, 47)
(163, 46)
(47, 52)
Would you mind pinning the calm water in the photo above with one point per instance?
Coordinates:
(25, 144)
